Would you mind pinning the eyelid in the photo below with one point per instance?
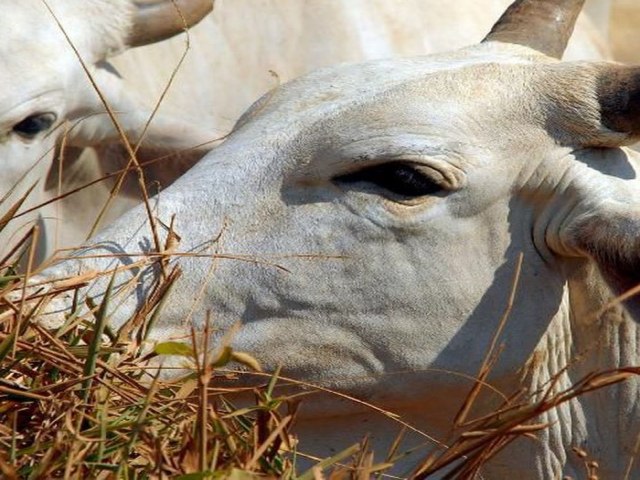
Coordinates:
(451, 179)
(38, 101)
(400, 180)
(443, 172)
(42, 121)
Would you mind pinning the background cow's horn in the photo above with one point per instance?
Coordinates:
(618, 93)
(544, 25)
(158, 20)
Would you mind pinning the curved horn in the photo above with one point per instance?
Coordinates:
(544, 25)
(161, 19)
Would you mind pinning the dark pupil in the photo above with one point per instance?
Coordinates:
(398, 178)
(34, 124)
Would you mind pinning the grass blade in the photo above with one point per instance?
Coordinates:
(94, 346)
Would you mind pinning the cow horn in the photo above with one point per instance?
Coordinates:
(544, 25)
(158, 20)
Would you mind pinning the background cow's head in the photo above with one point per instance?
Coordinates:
(44, 83)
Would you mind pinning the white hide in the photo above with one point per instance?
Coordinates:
(242, 41)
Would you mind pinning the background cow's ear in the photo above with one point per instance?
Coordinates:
(162, 165)
(93, 123)
(168, 145)
(168, 149)
(75, 167)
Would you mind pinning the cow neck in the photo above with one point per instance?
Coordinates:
(583, 339)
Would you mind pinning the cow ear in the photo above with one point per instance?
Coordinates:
(76, 166)
(618, 94)
(600, 218)
(168, 144)
(161, 165)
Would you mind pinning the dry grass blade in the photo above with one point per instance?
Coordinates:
(13, 210)
(492, 353)
(123, 137)
(473, 448)
(337, 458)
(94, 346)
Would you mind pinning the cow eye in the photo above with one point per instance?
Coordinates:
(35, 124)
(396, 177)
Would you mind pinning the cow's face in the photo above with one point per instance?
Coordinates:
(398, 196)
(409, 185)
(42, 84)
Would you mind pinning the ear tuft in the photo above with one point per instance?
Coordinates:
(618, 93)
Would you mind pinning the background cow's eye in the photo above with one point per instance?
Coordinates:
(398, 178)
(35, 124)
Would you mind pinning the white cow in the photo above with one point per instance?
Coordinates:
(399, 196)
(44, 82)
(234, 50)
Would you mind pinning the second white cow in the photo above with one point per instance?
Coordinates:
(52, 65)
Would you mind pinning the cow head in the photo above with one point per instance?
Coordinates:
(372, 216)
(46, 91)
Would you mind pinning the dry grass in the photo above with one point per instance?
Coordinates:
(82, 402)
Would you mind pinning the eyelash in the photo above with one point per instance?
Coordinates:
(398, 178)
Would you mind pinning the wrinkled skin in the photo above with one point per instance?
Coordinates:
(43, 85)
(402, 294)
